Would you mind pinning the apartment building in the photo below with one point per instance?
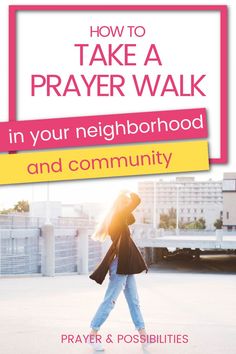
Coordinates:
(193, 200)
(229, 201)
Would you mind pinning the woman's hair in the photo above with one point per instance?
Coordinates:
(101, 231)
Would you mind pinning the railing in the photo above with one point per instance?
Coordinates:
(95, 252)
(25, 222)
(53, 250)
(147, 231)
(65, 250)
(62, 250)
(20, 251)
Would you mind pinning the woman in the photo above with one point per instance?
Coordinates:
(122, 260)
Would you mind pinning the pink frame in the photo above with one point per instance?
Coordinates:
(223, 52)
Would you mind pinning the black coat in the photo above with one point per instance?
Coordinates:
(130, 260)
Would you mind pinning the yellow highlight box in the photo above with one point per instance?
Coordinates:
(99, 162)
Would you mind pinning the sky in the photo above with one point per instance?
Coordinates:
(97, 190)
(66, 192)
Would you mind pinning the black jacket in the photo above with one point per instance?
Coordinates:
(130, 260)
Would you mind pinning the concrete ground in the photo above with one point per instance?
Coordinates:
(196, 300)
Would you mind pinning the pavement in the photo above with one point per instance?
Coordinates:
(176, 299)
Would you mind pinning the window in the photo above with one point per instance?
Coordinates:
(229, 185)
(227, 215)
(202, 211)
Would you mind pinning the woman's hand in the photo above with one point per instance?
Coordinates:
(125, 192)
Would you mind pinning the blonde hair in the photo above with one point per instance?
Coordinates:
(102, 229)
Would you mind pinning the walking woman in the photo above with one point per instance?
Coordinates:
(122, 260)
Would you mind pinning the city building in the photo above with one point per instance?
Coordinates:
(43, 209)
(229, 201)
(90, 210)
(192, 200)
(54, 209)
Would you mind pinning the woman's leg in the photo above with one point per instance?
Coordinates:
(131, 295)
(116, 284)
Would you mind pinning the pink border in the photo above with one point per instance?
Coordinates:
(223, 52)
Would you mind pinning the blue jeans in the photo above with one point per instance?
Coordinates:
(117, 283)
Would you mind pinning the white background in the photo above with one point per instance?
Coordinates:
(10, 193)
(187, 42)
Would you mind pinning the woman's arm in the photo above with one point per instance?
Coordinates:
(127, 211)
(124, 216)
(133, 202)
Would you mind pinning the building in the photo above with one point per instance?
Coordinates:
(90, 210)
(229, 201)
(192, 199)
(87, 211)
(44, 209)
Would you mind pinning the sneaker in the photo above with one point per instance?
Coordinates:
(146, 344)
(97, 347)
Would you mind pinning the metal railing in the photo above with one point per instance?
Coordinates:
(28, 222)
(148, 231)
(65, 251)
(22, 251)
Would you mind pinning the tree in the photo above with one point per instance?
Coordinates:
(218, 224)
(6, 211)
(22, 206)
(198, 224)
(168, 220)
(201, 223)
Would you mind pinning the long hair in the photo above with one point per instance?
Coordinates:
(102, 229)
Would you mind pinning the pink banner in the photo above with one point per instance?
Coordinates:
(102, 130)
